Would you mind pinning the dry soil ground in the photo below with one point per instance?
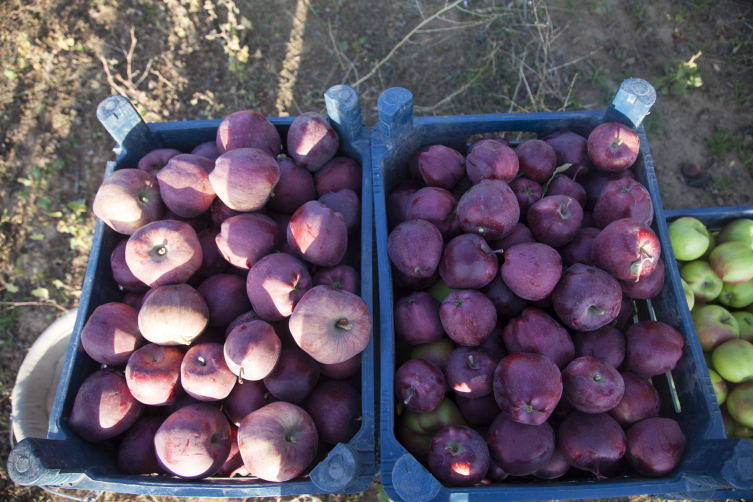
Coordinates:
(189, 59)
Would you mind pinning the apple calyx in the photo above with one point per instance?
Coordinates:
(411, 392)
(336, 284)
(625, 189)
(458, 303)
(472, 364)
(637, 266)
(344, 324)
(616, 142)
(454, 448)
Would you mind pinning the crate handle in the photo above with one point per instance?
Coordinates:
(338, 470)
(395, 114)
(133, 137)
(631, 103)
(344, 110)
(412, 481)
(720, 464)
(35, 461)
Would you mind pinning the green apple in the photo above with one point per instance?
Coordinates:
(439, 290)
(709, 361)
(741, 431)
(435, 352)
(740, 404)
(720, 386)
(697, 306)
(689, 238)
(745, 323)
(416, 430)
(712, 245)
(733, 360)
(732, 262)
(737, 296)
(702, 279)
(729, 424)
(689, 296)
(738, 230)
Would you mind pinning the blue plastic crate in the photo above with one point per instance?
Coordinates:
(714, 219)
(710, 461)
(66, 461)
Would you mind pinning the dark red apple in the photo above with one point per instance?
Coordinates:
(562, 185)
(597, 179)
(653, 348)
(537, 159)
(155, 160)
(120, 271)
(330, 324)
(578, 250)
(208, 150)
(624, 198)
(467, 263)
(417, 318)
(247, 129)
(318, 233)
(127, 200)
(458, 455)
(605, 343)
(397, 202)
(655, 446)
(528, 192)
(570, 148)
(591, 442)
(520, 449)
(252, 350)
(506, 303)
(439, 166)
(220, 212)
(648, 287)
(470, 371)
(294, 376)
(153, 374)
(212, 261)
(641, 400)
(415, 247)
(246, 238)
(193, 442)
(489, 209)
(343, 370)
(467, 316)
(342, 277)
(295, 188)
(104, 407)
(527, 387)
(613, 146)
(335, 408)
(346, 203)
(312, 141)
(491, 160)
(184, 185)
(419, 385)
(627, 249)
(437, 206)
(480, 410)
(555, 219)
(111, 334)
(338, 174)
(555, 468)
(586, 298)
(592, 385)
(531, 270)
(275, 285)
(225, 295)
(537, 333)
(164, 252)
(245, 178)
(173, 315)
(136, 453)
(204, 373)
(519, 235)
(245, 398)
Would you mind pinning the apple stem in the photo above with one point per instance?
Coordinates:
(451, 449)
(498, 251)
(161, 251)
(202, 361)
(617, 142)
(359, 419)
(240, 375)
(344, 324)
(143, 199)
(567, 204)
(481, 230)
(272, 194)
(473, 365)
(411, 393)
(597, 377)
(644, 258)
(416, 270)
(291, 439)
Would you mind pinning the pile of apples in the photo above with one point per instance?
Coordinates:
(239, 267)
(717, 273)
(515, 271)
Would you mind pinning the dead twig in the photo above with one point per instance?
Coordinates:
(577, 60)
(403, 42)
(569, 91)
(50, 303)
